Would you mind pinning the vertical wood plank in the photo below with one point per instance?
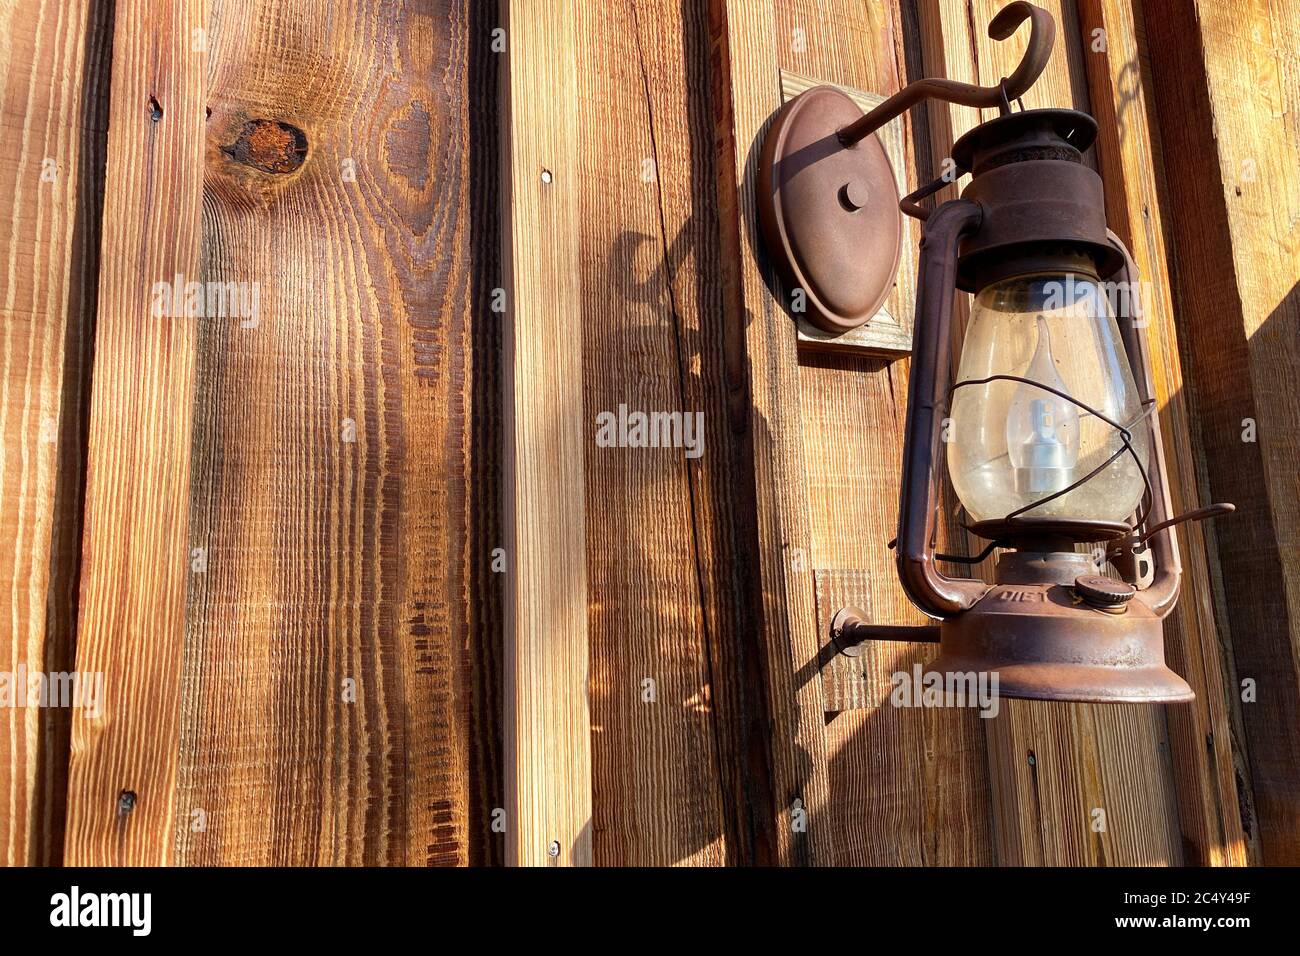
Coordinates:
(672, 609)
(1205, 738)
(53, 98)
(547, 717)
(336, 663)
(750, 94)
(1225, 86)
(121, 787)
(287, 567)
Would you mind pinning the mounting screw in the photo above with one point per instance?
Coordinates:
(845, 631)
(554, 849)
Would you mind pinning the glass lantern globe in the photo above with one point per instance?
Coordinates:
(1012, 443)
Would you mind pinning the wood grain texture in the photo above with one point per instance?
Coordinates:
(667, 568)
(53, 99)
(1081, 786)
(748, 44)
(1225, 87)
(136, 548)
(1206, 739)
(334, 662)
(547, 715)
(284, 579)
(288, 567)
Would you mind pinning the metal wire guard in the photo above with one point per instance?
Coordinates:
(1126, 437)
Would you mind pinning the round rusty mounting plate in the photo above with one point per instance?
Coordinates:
(829, 213)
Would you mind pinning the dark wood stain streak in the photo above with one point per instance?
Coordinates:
(484, 590)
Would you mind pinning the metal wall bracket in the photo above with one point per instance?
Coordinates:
(859, 299)
(855, 666)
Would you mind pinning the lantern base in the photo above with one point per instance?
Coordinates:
(1046, 643)
(829, 212)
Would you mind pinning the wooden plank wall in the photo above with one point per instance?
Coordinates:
(1225, 85)
(616, 222)
(668, 566)
(302, 669)
(53, 117)
(1170, 791)
(364, 586)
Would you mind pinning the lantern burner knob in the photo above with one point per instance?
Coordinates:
(1104, 593)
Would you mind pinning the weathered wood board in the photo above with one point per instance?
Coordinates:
(299, 671)
(547, 712)
(53, 116)
(1224, 90)
(366, 581)
(667, 560)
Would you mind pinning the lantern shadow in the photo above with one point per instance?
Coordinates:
(712, 641)
(672, 581)
(672, 549)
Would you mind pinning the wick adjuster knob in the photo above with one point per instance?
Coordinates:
(1103, 593)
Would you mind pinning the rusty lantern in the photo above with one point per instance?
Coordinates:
(1050, 428)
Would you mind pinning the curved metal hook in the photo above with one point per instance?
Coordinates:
(1042, 36)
